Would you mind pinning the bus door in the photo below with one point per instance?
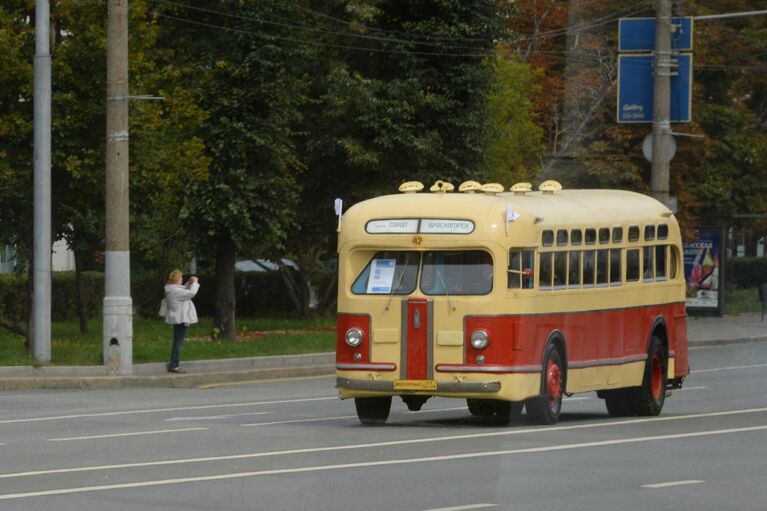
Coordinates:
(417, 346)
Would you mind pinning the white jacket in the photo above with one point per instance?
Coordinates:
(180, 308)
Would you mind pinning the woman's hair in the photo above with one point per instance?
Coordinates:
(174, 276)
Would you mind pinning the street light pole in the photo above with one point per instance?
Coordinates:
(41, 264)
(661, 123)
(118, 306)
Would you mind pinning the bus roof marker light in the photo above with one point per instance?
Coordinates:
(521, 188)
(549, 187)
(441, 187)
(469, 187)
(491, 188)
(411, 187)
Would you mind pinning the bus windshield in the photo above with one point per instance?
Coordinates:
(448, 273)
(467, 272)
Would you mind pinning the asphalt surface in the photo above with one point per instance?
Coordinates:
(292, 445)
(703, 331)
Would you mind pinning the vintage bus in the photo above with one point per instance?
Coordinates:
(510, 300)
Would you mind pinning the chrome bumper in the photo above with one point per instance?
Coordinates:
(442, 387)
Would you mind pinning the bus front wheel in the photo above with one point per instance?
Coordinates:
(652, 393)
(373, 410)
(546, 407)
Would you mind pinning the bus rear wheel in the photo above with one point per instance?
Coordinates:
(652, 393)
(546, 407)
(373, 410)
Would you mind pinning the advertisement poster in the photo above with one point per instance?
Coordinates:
(703, 271)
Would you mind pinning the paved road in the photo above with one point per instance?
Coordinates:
(291, 445)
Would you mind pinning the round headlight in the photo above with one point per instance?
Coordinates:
(479, 339)
(354, 337)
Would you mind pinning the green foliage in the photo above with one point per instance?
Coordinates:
(745, 272)
(515, 146)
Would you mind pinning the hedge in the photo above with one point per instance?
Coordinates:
(256, 293)
(746, 272)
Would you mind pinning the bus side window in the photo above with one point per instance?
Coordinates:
(560, 269)
(588, 268)
(602, 267)
(615, 267)
(574, 269)
(660, 262)
(632, 265)
(520, 273)
(673, 260)
(546, 270)
(649, 271)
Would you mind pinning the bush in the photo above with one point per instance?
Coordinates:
(745, 272)
(257, 294)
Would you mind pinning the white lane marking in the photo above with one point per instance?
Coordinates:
(730, 368)
(254, 382)
(214, 417)
(672, 483)
(116, 435)
(403, 461)
(309, 450)
(165, 410)
(462, 508)
(692, 388)
(318, 419)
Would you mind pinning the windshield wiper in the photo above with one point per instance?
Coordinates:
(399, 283)
(444, 287)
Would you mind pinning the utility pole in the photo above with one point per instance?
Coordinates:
(41, 269)
(118, 306)
(661, 123)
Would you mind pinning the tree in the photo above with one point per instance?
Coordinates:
(247, 71)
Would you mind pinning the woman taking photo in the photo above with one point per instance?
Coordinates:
(180, 312)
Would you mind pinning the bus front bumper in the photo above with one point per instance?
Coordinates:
(448, 387)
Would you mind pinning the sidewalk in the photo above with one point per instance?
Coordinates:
(705, 331)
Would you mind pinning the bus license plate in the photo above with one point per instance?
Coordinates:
(415, 385)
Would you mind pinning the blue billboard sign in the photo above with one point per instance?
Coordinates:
(635, 89)
(638, 34)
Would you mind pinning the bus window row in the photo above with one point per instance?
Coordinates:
(603, 235)
(575, 269)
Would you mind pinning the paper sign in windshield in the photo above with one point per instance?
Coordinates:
(381, 276)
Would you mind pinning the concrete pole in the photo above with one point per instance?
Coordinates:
(118, 306)
(661, 124)
(41, 289)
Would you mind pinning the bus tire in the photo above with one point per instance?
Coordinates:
(481, 407)
(546, 407)
(652, 393)
(621, 402)
(373, 410)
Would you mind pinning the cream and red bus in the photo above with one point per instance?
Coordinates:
(510, 300)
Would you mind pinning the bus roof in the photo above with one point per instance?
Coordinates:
(542, 209)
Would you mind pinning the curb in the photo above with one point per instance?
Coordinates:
(201, 372)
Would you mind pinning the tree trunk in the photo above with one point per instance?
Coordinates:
(225, 297)
(297, 286)
(79, 291)
(329, 298)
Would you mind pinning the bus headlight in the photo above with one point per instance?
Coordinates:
(354, 337)
(479, 339)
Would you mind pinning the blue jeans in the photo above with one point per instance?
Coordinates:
(179, 333)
